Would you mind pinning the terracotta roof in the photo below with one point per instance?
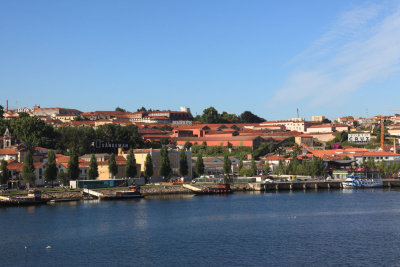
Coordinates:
(15, 166)
(141, 151)
(38, 164)
(321, 126)
(80, 123)
(274, 157)
(226, 138)
(8, 151)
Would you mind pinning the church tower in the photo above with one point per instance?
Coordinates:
(7, 139)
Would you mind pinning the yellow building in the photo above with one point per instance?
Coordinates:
(104, 172)
(141, 154)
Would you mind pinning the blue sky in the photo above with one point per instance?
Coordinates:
(328, 58)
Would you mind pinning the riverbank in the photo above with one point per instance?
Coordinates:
(65, 194)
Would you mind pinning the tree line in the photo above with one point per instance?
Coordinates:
(314, 167)
(35, 132)
(211, 115)
(52, 173)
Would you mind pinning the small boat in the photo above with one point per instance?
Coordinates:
(133, 192)
(222, 188)
(361, 182)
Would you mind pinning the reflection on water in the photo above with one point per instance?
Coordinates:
(169, 197)
(242, 229)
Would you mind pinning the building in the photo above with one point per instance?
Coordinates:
(235, 141)
(141, 154)
(318, 118)
(304, 139)
(295, 124)
(38, 111)
(215, 165)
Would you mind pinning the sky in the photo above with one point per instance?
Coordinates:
(332, 58)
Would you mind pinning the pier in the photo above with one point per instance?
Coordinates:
(304, 185)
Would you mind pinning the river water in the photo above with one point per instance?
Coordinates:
(321, 228)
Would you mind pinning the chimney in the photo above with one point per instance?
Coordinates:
(297, 112)
(7, 106)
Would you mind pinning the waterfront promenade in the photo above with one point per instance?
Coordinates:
(168, 189)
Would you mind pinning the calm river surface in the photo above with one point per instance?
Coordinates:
(322, 228)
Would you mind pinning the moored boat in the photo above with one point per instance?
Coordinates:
(222, 188)
(133, 192)
(34, 197)
(361, 182)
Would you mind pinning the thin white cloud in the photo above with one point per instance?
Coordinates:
(363, 46)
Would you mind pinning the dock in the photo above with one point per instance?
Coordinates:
(309, 185)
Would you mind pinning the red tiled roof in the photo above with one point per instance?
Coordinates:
(15, 166)
(38, 164)
(321, 126)
(8, 151)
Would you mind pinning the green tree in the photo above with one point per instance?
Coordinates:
(93, 171)
(318, 167)
(240, 166)
(5, 176)
(229, 145)
(253, 167)
(63, 177)
(199, 165)
(120, 109)
(148, 167)
(227, 165)
(266, 167)
(183, 165)
(1, 111)
(73, 166)
(28, 170)
(187, 145)
(165, 165)
(210, 115)
(50, 171)
(131, 169)
(22, 114)
(264, 149)
(248, 117)
(34, 132)
(78, 138)
(281, 168)
(371, 164)
(244, 172)
(293, 165)
(112, 165)
(164, 141)
(226, 117)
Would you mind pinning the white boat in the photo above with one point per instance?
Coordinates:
(361, 182)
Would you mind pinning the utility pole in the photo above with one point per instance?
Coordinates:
(382, 134)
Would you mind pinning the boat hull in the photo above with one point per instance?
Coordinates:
(8, 203)
(214, 191)
(362, 183)
(114, 197)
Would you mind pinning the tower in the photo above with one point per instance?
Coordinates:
(7, 139)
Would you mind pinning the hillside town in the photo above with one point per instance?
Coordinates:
(242, 147)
